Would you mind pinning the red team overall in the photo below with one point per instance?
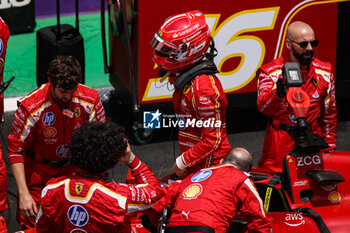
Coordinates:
(318, 84)
(42, 127)
(4, 36)
(214, 196)
(87, 201)
(199, 100)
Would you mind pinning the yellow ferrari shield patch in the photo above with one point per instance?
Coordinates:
(77, 112)
(79, 188)
(186, 88)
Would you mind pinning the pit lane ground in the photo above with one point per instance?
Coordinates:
(245, 129)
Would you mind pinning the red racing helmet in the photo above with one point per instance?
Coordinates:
(181, 41)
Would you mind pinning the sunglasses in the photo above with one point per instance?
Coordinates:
(304, 44)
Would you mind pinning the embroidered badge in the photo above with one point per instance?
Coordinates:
(77, 112)
(186, 88)
(78, 188)
(192, 191)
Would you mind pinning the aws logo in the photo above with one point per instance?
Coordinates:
(294, 219)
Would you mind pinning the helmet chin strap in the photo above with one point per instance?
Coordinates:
(205, 66)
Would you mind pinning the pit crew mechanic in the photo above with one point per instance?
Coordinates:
(42, 128)
(102, 204)
(180, 47)
(4, 36)
(212, 197)
(318, 84)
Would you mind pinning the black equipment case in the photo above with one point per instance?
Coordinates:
(58, 40)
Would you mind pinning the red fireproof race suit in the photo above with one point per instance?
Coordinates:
(79, 204)
(4, 36)
(213, 196)
(321, 116)
(40, 134)
(201, 101)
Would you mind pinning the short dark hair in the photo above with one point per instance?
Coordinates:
(64, 72)
(96, 146)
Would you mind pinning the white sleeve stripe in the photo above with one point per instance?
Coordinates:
(256, 194)
(138, 165)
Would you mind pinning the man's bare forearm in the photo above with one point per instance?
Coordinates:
(18, 172)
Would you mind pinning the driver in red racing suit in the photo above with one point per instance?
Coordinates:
(4, 36)
(199, 100)
(42, 127)
(318, 84)
(87, 201)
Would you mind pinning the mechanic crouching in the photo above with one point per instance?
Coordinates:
(208, 201)
(88, 201)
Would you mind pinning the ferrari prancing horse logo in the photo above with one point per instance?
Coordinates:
(79, 188)
(77, 112)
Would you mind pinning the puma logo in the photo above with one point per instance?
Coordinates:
(186, 214)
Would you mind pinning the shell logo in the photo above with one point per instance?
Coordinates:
(192, 191)
(334, 197)
(50, 132)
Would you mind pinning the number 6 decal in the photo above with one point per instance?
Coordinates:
(230, 43)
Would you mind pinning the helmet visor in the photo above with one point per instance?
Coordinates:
(164, 48)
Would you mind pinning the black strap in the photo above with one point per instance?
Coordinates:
(189, 228)
(315, 216)
(286, 127)
(54, 164)
(273, 181)
(282, 126)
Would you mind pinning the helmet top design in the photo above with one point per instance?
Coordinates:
(181, 41)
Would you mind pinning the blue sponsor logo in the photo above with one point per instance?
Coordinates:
(201, 176)
(163, 184)
(61, 151)
(151, 119)
(292, 118)
(49, 118)
(78, 216)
